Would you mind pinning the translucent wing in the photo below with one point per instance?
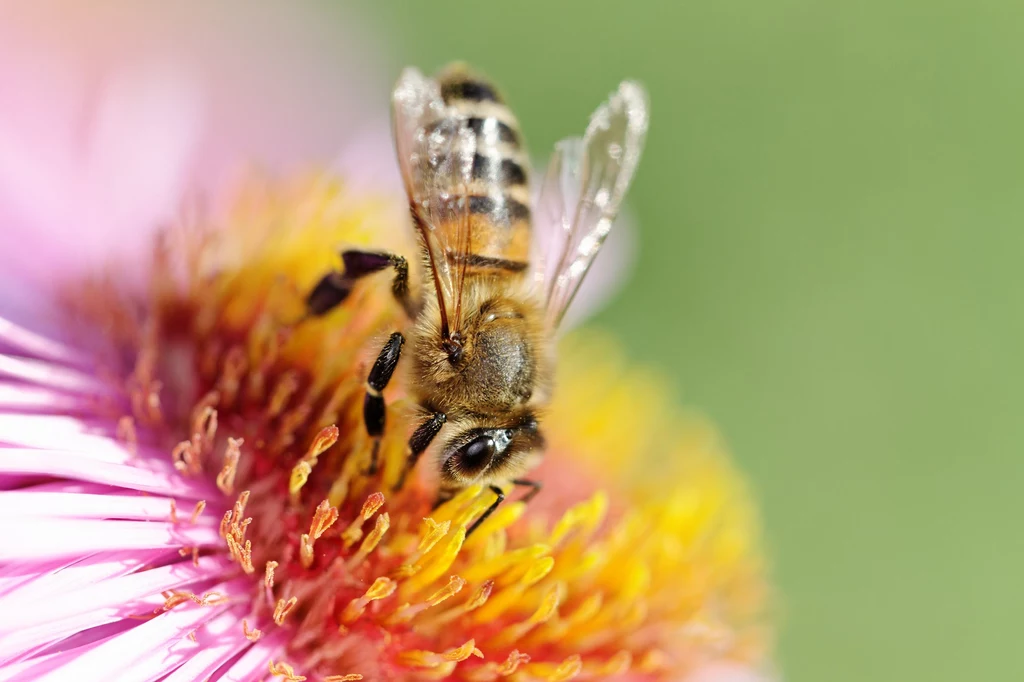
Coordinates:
(582, 192)
(435, 150)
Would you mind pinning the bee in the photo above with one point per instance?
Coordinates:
(484, 318)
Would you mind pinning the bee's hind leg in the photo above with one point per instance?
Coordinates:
(334, 287)
(374, 409)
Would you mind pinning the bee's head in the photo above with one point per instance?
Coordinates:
(489, 452)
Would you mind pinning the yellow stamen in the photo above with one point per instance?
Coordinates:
(283, 608)
(354, 532)
(284, 670)
(327, 437)
(226, 477)
(380, 589)
(251, 635)
(200, 506)
(380, 527)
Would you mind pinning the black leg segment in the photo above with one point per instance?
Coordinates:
(535, 486)
(490, 510)
(374, 412)
(330, 292)
(335, 287)
(419, 442)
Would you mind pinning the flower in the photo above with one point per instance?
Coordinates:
(126, 111)
(184, 491)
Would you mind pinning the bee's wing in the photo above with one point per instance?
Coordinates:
(435, 150)
(582, 192)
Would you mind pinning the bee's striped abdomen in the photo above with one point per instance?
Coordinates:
(499, 195)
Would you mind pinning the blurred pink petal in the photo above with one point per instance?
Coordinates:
(112, 114)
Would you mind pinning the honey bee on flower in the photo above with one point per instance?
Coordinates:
(483, 319)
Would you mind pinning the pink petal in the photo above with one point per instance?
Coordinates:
(161, 479)
(45, 539)
(53, 581)
(15, 337)
(56, 432)
(253, 664)
(21, 398)
(24, 612)
(15, 504)
(131, 654)
(217, 642)
(51, 375)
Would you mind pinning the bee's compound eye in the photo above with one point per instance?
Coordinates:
(473, 457)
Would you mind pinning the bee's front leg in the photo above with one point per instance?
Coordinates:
(374, 409)
(535, 487)
(334, 287)
(499, 497)
(419, 442)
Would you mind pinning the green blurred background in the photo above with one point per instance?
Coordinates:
(831, 212)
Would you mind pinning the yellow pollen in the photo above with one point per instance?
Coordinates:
(204, 419)
(354, 532)
(407, 611)
(176, 597)
(284, 670)
(200, 506)
(251, 635)
(514, 660)
(185, 457)
(351, 677)
(380, 527)
(283, 608)
(454, 586)
(327, 437)
(226, 477)
(434, 532)
(268, 578)
(300, 474)
(380, 589)
(479, 597)
(323, 518)
(194, 551)
(233, 528)
(428, 659)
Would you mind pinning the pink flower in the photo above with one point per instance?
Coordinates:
(124, 555)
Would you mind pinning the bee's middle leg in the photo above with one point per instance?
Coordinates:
(334, 287)
(374, 409)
